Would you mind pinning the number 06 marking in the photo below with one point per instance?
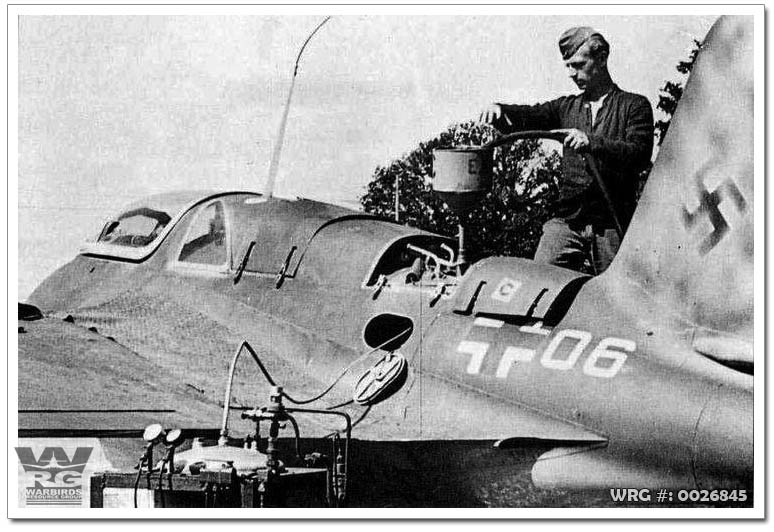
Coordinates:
(605, 351)
(604, 361)
(583, 338)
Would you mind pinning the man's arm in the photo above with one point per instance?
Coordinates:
(637, 148)
(509, 118)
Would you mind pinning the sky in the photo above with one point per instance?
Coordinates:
(113, 108)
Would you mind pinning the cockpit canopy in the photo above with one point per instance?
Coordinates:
(229, 232)
(140, 227)
(135, 228)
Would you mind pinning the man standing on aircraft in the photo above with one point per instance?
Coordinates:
(612, 126)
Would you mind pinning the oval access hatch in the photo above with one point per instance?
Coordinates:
(387, 331)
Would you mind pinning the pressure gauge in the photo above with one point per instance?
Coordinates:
(153, 433)
(175, 437)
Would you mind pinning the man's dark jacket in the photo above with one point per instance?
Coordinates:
(621, 141)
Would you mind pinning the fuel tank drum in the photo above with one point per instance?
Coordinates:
(462, 176)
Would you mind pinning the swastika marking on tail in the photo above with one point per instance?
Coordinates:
(708, 205)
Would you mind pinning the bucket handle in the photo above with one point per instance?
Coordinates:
(522, 135)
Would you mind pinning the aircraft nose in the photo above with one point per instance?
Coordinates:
(723, 443)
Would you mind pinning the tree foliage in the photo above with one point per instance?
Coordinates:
(672, 91)
(668, 98)
(508, 220)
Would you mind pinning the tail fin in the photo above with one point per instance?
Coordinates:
(690, 243)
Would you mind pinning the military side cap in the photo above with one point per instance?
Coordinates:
(572, 39)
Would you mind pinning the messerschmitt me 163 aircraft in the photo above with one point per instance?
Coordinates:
(639, 377)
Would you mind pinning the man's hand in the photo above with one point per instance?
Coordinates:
(493, 113)
(575, 139)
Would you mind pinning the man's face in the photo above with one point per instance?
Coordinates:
(585, 70)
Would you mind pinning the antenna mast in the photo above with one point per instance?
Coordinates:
(275, 157)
